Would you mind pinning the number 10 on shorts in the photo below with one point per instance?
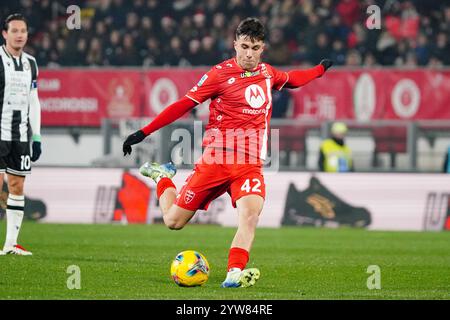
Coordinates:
(254, 187)
(25, 163)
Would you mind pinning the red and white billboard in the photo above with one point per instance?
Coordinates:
(84, 97)
(388, 201)
(376, 94)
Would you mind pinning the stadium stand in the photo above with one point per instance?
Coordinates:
(178, 33)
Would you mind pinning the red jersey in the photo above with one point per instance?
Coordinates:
(241, 102)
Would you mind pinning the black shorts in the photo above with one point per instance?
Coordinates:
(15, 157)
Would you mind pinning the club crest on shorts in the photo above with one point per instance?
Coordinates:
(188, 196)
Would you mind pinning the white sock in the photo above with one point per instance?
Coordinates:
(14, 215)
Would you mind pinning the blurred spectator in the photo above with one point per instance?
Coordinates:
(94, 54)
(338, 53)
(422, 50)
(128, 55)
(435, 63)
(411, 60)
(43, 52)
(151, 55)
(279, 52)
(300, 56)
(112, 48)
(336, 29)
(186, 29)
(334, 154)
(174, 54)
(208, 51)
(168, 29)
(325, 9)
(353, 59)
(132, 25)
(320, 49)
(193, 55)
(350, 11)
(370, 61)
(311, 33)
(386, 46)
(441, 49)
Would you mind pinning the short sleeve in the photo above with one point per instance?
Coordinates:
(206, 88)
(280, 78)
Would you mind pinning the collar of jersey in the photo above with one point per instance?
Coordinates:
(243, 70)
(10, 55)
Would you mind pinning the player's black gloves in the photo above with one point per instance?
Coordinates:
(327, 63)
(133, 138)
(36, 146)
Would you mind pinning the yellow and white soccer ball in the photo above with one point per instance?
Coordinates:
(189, 269)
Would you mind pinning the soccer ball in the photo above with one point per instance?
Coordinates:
(189, 269)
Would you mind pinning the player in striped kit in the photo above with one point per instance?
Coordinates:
(241, 104)
(19, 110)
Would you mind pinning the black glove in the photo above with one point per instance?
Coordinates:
(133, 138)
(36, 146)
(327, 63)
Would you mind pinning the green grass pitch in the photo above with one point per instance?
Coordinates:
(133, 262)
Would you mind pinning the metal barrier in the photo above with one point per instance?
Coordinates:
(382, 145)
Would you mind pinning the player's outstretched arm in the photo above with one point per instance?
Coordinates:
(167, 116)
(298, 78)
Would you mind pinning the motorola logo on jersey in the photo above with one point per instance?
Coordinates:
(254, 95)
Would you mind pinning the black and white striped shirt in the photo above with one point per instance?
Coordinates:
(18, 77)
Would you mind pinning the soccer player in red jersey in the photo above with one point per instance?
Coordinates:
(240, 110)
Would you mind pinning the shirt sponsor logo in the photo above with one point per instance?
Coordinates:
(255, 97)
(249, 74)
(254, 111)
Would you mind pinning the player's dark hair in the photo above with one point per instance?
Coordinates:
(12, 17)
(252, 28)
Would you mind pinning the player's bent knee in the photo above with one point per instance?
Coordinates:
(177, 217)
(174, 224)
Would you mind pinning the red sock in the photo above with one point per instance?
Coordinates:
(237, 258)
(162, 185)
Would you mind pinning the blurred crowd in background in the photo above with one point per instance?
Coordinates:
(191, 33)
